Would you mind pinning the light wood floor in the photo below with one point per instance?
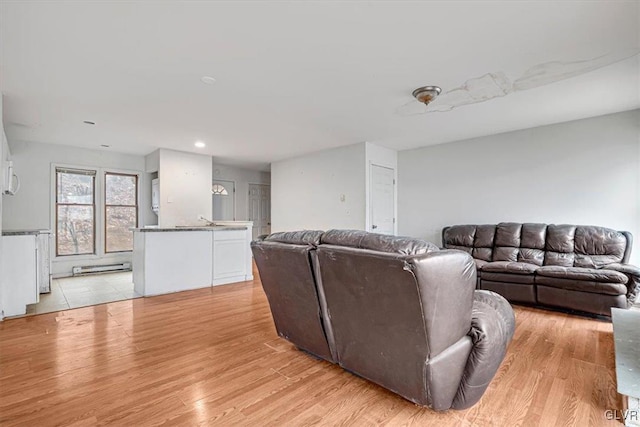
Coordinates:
(212, 357)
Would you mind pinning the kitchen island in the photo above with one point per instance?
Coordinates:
(177, 259)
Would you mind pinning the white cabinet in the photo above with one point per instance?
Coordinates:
(229, 256)
(19, 273)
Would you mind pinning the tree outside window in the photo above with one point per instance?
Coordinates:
(75, 212)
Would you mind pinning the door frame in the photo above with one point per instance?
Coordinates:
(369, 213)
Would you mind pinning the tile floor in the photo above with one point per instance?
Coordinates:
(81, 291)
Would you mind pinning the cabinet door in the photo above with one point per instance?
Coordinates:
(229, 258)
(19, 273)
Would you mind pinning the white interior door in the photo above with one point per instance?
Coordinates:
(382, 200)
(224, 200)
(260, 209)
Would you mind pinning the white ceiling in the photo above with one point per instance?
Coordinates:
(297, 77)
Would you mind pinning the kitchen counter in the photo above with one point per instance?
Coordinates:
(174, 259)
(191, 228)
(24, 232)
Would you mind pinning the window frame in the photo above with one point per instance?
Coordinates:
(99, 253)
(107, 205)
(87, 172)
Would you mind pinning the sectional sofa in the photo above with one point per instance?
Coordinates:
(576, 267)
(397, 311)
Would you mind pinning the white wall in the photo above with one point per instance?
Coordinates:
(185, 188)
(242, 178)
(579, 172)
(31, 207)
(306, 192)
(388, 158)
(152, 162)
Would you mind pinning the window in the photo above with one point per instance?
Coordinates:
(75, 212)
(218, 189)
(120, 211)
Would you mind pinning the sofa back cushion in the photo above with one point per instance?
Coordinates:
(303, 237)
(377, 242)
(392, 311)
(288, 278)
(598, 246)
(541, 244)
(560, 248)
(476, 240)
(520, 243)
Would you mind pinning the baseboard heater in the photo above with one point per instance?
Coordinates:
(97, 269)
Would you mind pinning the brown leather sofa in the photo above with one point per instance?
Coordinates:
(574, 267)
(397, 311)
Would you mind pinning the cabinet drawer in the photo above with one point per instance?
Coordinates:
(229, 235)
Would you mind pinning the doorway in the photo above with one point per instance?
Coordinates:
(224, 200)
(260, 209)
(382, 202)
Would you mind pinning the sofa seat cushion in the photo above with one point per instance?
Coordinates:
(510, 267)
(507, 277)
(582, 285)
(580, 273)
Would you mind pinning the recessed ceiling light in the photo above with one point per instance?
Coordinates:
(208, 80)
(200, 144)
(89, 122)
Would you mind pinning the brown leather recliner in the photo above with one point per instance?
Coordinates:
(397, 311)
(575, 267)
(288, 278)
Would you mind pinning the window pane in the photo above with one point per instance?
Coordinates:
(120, 189)
(75, 230)
(75, 188)
(119, 220)
(219, 189)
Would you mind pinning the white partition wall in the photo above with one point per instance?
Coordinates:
(327, 189)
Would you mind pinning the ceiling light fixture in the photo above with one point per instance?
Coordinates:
(200, 144)
(426, 94)
(105, 145)
(89, 122)
(207, 80)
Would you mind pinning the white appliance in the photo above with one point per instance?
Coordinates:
(11, 180)
(155, 195)
(26, 269)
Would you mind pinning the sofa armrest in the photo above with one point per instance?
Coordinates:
(260, 238)
(492, 327)
(633, 285)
